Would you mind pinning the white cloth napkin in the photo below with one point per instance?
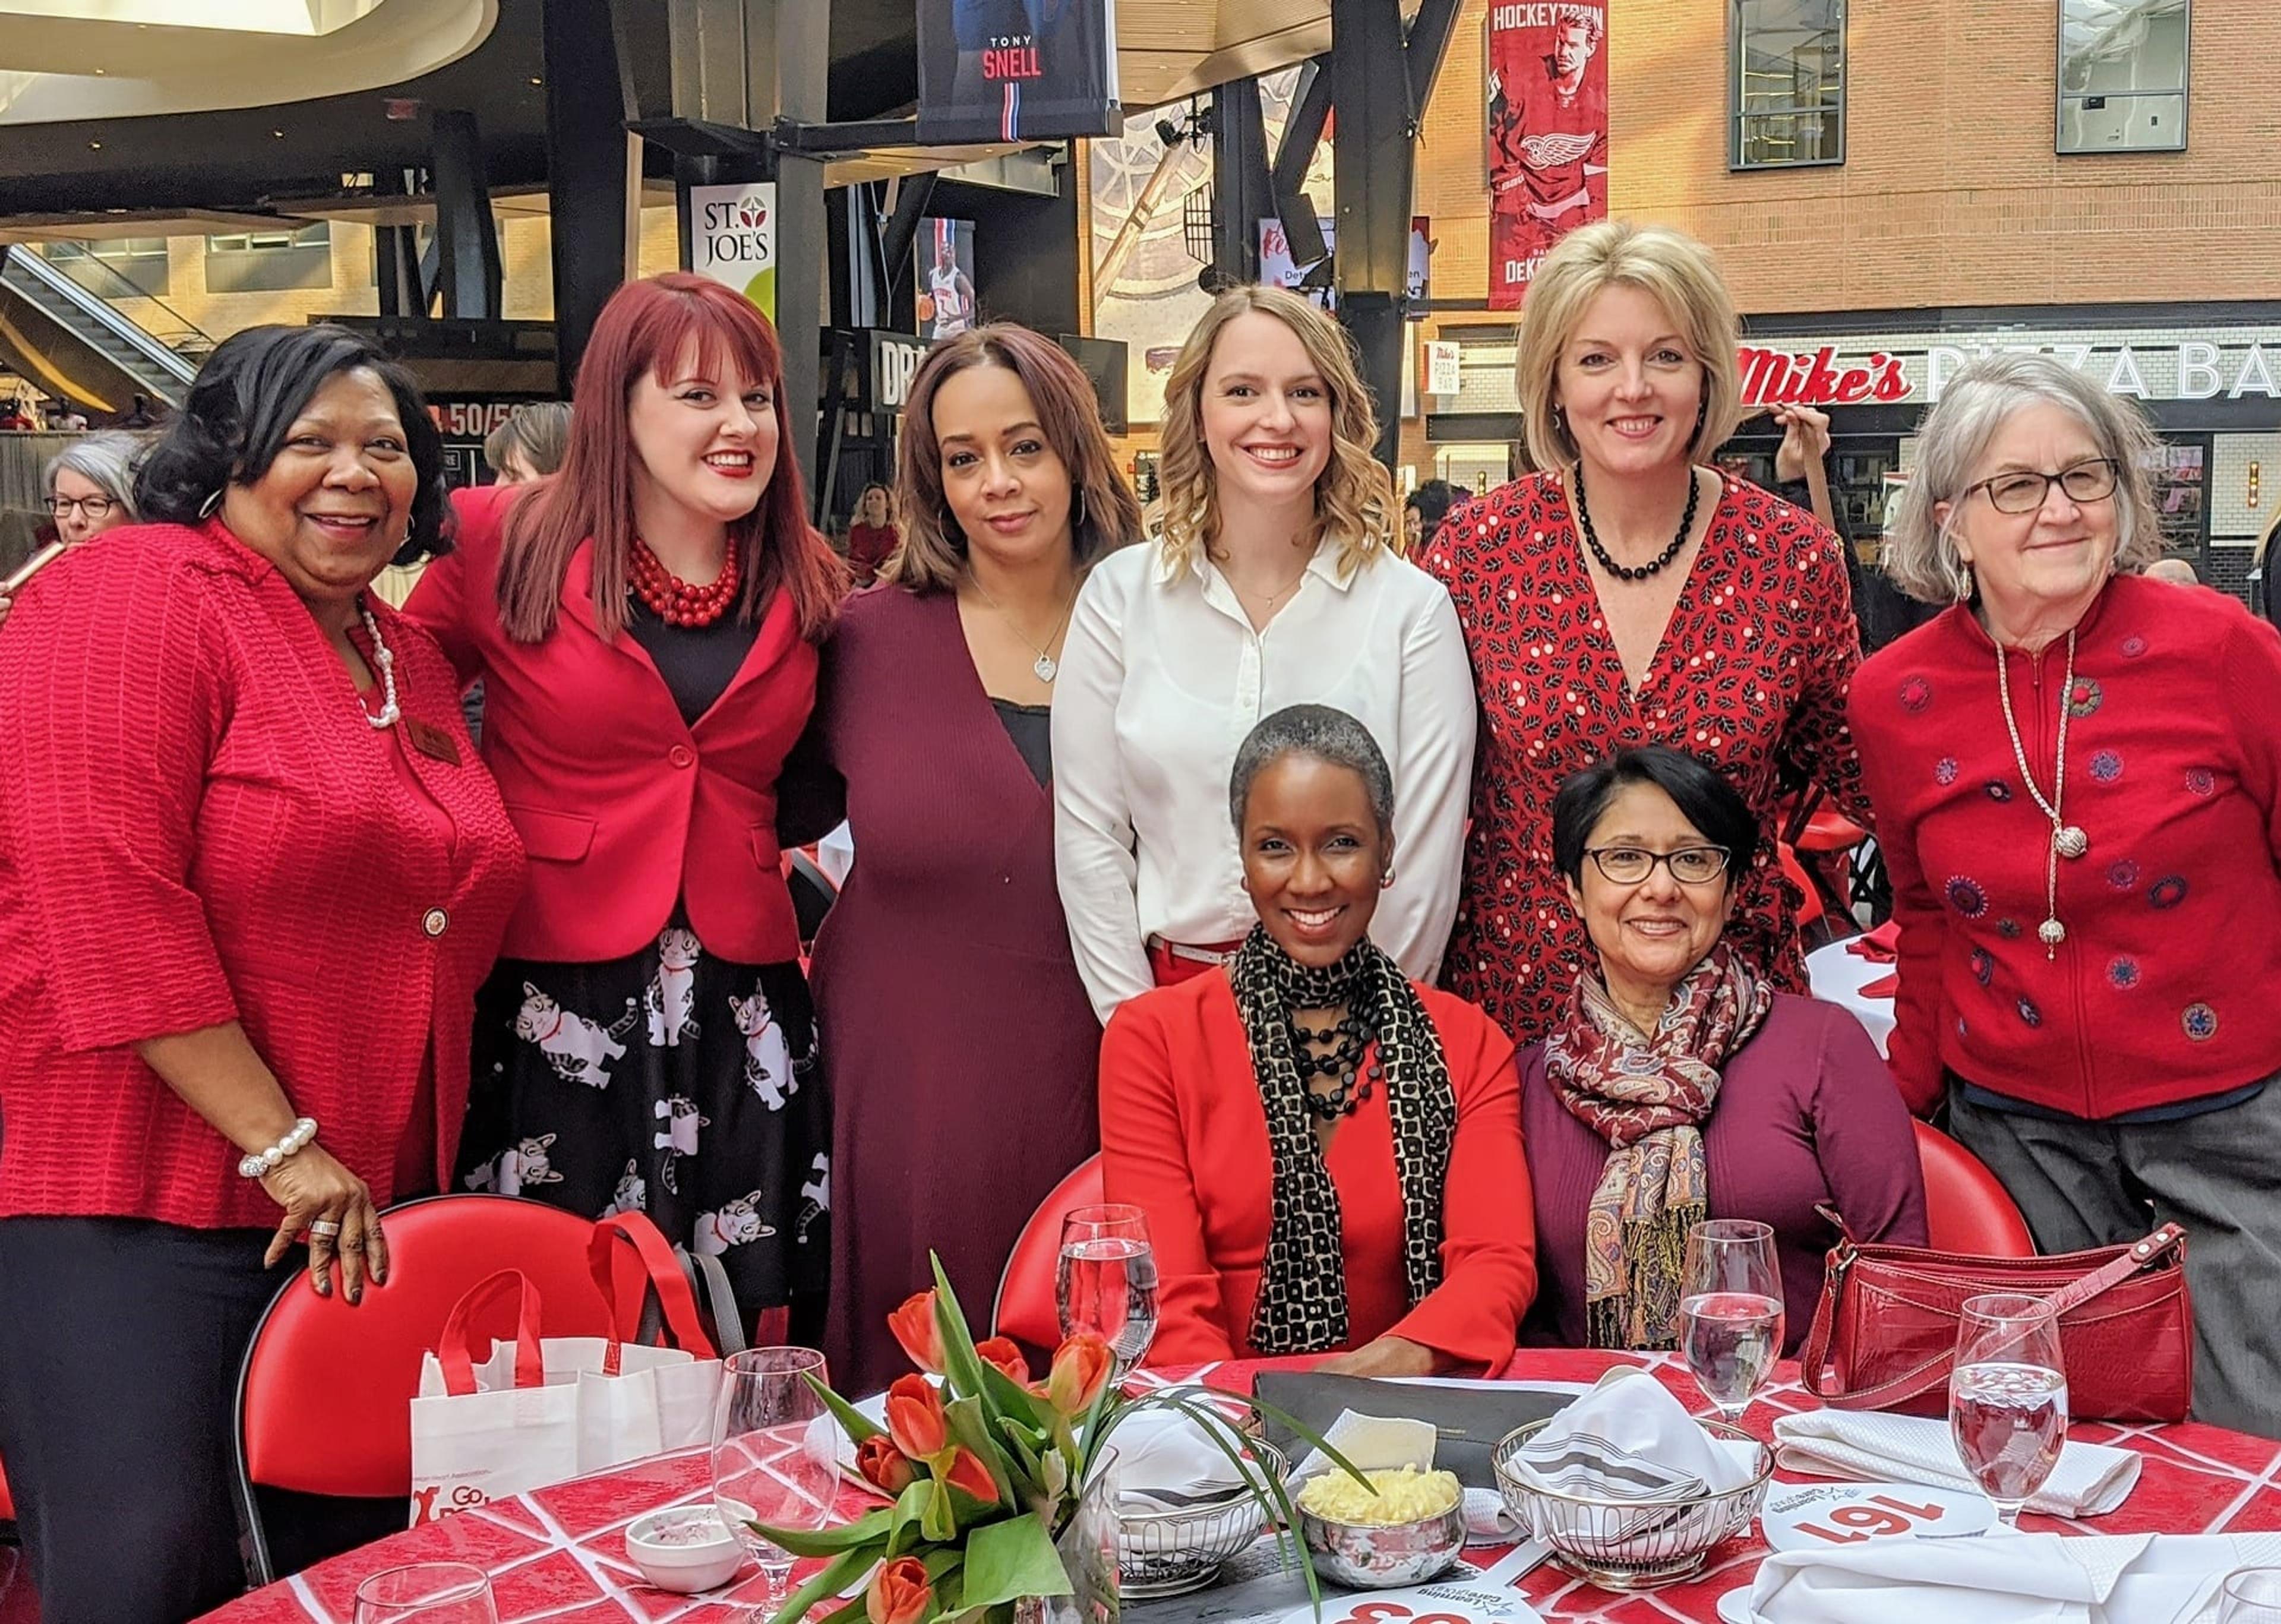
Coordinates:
(2023, 1579)
(2090, 1480)
(1166, 1462)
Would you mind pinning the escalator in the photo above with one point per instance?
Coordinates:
(70, 342)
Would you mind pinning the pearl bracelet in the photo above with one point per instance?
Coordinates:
(262, 1164)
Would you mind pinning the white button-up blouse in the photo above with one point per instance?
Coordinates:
(1162, 676)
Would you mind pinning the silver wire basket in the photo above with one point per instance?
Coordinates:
(1169, 1553)
(1632, 1544)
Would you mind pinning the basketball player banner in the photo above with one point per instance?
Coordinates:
(1016, 70)
(1548, 132)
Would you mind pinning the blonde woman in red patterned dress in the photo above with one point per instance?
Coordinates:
(1625, 595)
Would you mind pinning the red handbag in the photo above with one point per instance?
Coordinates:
(1884, 1333)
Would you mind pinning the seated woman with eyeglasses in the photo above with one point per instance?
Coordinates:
(90, 489)
(1678, 1085)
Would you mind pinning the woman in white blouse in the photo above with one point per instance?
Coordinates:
(1274, 581)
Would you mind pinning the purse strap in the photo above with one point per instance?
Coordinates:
(1813, 1358)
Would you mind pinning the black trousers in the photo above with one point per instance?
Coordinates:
(119, 1346)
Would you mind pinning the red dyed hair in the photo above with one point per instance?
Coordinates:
(643, 329)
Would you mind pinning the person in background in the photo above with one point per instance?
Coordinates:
(250, 873)
(1274, 580)
(1881, 609)
(933, 720)
(2176, 571)
(1624, 594)
(531, 444)
(2078, 773)
(15, 418)
(1422, 512)
(1329, 1154)
(2264, 594)
(646, 625)
(90, 489)
(1678, 1085)
(873, 537)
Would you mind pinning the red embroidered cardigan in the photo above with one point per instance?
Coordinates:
(197, 824)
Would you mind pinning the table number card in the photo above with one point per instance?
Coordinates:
(1829, 1516)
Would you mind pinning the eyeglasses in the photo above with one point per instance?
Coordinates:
(2025, 492)
(93, 507)
(1630, 865)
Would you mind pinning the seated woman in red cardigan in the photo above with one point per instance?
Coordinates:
(1329, 1154)
(1679, 1085)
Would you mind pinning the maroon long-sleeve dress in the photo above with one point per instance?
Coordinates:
(958, 1040)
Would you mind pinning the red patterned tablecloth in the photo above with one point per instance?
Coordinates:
(559, 1554)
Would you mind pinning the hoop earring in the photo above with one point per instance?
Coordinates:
(206, 508)
(1386, 881)
(1077, 511)
(1960, 579)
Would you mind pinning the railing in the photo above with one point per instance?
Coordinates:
(114, 287)
(168, 373)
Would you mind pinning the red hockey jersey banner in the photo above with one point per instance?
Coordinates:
(1548, 124)
(1016, 70)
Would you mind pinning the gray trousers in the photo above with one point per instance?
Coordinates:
(2217, 1176)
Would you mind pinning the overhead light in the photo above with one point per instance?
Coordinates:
(100, 72)
(95, 146)
(535, 80)
(278, 134)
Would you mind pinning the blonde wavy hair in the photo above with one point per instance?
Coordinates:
(1679, 273)
(1354, 496)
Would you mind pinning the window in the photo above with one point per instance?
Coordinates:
(2122, 75)
(269, 261)
(114, 267)
(1788, 100)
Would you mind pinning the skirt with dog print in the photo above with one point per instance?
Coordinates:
(671, 1083)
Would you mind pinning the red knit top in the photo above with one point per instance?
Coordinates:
(197, 824)
(2165, 987)
(1183, 1136)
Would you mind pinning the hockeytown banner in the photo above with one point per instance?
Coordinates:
(1548, 132)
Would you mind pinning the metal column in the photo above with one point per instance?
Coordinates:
(592, 172)
(467, 236)
(1242, 189)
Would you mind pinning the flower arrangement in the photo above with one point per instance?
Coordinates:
(985, 1471)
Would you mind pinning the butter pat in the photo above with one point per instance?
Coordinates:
(1401, 1495)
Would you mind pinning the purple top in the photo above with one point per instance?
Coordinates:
(1807, 1114)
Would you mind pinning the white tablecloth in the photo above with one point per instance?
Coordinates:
(1839, 977)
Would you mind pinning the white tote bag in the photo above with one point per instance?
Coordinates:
(541, 1410)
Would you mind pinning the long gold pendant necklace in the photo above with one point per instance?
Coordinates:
(2068, 840)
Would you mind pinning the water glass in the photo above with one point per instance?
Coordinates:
(2007, 1398)
(1106, 1281)
(427, 1593)
(1730, 1311)
(2251, 1596)
(776, 1453)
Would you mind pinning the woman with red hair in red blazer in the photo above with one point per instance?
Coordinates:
(644, 623)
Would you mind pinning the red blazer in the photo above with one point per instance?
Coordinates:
(625, 808)
(1183, 1136)
(197, 825)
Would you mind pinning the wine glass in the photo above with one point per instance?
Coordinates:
(1106, 1281)
(1730, 1311)
(2251, 1596)
(427, 1593)
(2007, 1398)
(776, 1453)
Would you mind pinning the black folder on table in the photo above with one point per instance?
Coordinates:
(1470, 1421)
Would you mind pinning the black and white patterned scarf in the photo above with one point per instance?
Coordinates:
(1302, 1305)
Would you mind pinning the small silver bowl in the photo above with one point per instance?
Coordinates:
(1370, 1555)
(1169, 1553)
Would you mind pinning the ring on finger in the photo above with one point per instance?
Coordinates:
(325, 1227)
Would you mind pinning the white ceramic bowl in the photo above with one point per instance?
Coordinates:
(667, 1547)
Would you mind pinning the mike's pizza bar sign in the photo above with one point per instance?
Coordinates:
(2229, 364)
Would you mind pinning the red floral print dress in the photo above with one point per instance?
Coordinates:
(1752, 675)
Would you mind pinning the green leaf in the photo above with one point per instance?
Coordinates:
(969, 1425)
(1012, 1399)
(945, 1572)
(840, 1571)
(961, 1367)
(910, 1507)
(848, 1613)
(857, 1425)
(936, 1521)
(1010, 1559)
(1023, 1460)
(828, 1541)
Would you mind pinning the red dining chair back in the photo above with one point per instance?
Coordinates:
(1024, 1310)
(324, 1396)
(1810, 910)
(1967, 1207)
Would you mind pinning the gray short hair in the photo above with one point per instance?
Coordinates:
(1920, 555)
(104, 461)
(1327, 734)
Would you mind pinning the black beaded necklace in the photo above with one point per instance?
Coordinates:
(1346, 1040)
(1626, 572)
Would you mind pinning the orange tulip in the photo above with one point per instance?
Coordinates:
(914, 1325)
(882, 1465)
(1081, 1369)
(899, 1593)
(1000, 1351)
(915, 1418)
(967, 1472)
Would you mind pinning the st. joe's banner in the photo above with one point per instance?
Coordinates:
(1548, 125)
(1016, 70)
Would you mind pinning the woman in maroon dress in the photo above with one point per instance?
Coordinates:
(958, 1043)
(1671, 605)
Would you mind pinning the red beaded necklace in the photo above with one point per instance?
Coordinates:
(674, 600)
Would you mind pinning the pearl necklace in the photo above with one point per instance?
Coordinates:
(386, 658)
(2068, 840)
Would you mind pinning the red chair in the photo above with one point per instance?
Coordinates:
(1810, 910)
(7, 1505)
(1024, 1310)
(1966, 1208)
(324, 1397)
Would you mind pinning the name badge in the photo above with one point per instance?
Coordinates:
(432, 742)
